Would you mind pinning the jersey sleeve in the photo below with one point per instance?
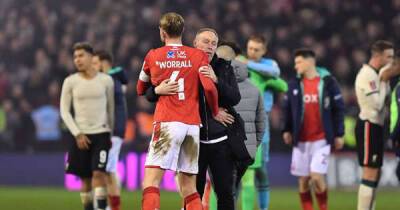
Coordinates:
(65, 107)
(210, 91)
(368, 85)
(144, 76)
(110, 102)
(267, 67)
(375, 90)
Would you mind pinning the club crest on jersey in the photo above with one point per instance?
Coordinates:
(181, 54)
(372, 84)
(170, 54)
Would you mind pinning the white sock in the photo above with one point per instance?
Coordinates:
(100, 195)
(366, 198)
(86, 197)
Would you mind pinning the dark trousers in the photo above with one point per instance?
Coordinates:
(217, 158)
(238, 172)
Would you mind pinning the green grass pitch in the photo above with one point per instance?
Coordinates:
(281, 199)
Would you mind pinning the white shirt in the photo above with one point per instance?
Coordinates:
(92, 101)
(371, 94)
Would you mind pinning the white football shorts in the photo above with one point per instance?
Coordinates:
(113, 155)
(174, 146)
(310, 157)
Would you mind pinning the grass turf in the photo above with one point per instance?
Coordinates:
(23, 198)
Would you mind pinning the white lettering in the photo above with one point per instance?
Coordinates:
(313, 98)
(174, 64)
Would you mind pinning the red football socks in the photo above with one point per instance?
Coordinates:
(306, 200)
(115, 202)
(322, 199)
(151, 198)
(193, 202)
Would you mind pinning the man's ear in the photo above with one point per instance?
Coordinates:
(195, 42)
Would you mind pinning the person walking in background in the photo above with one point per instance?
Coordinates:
(372, 91)
(251, 109)
(264, 74)
(91, 95)
(103, 62)
(313, 121)
(394, 110)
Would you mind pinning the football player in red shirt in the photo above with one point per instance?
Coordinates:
(175, 141)
(314, 120)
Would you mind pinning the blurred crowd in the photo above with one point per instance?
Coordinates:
(36, 39)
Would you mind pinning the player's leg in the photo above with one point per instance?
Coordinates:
(320, 190)
(188, 185)
(318, 168)
(79, 164)
(305, 193)
(367, 189)
(86, 194)
(262, 182)
(153, 172)
(300, 167)
(178, 186)
(100, 146)
(370, 156)
(262, 172)
(248, 192)
(113, 185)
(188, 168)
(113, 190)
(151, 192)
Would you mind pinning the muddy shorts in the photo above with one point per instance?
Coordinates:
(174, 146)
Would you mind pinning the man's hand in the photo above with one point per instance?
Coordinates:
(82, 141)
(287, 138)
(391, 72)
(167, 87)
(224, 117)
(209, 72)
(339, 142)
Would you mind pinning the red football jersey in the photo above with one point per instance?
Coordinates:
(181, 64)
(312, 128)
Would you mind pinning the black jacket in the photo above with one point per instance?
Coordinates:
(228, 96)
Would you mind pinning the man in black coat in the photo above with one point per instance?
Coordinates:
(215, 153)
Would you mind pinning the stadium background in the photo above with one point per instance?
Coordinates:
(35, 56)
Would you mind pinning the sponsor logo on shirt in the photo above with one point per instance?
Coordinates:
(310, 98)
(181, 54)
(174, 64)
(170, 54)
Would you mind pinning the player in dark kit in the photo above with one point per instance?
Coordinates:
(103, 62)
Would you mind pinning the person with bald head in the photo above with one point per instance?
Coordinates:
(251, 109)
